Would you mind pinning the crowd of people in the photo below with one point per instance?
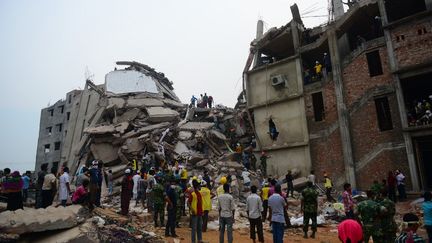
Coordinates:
(203, 101)
(319, 71)
(420, 112)
(169, 187)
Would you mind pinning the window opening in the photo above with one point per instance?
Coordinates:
(67, 116)
(383, 114)
(59, 127)
(318, 106)
(57, 146)
(374, 63)
(46, 148)
(51, 111)
(273, 130)
(49, 130)
(61, 109)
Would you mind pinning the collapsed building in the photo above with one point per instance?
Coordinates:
(135, 116)
(354, 121)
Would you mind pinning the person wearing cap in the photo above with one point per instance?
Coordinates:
(328, 184)
(318, 70)
(409, 230)
(207, 206)
(126, 192)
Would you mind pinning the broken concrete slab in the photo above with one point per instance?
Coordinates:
(122, 127)
(218, 134)
(38, 220)
(119, 103)
(230, 165)
(202, 163)
(128, 115)
(173, 104)
(111, 216)
(181, 148)
(133, 145)
(161, 114)
(100, 129)
(184, 135)
(194, 126)
(145, 102)
(137, 132)
(104, 151)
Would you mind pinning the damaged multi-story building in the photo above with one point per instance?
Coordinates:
(358, 121)
(63, 138)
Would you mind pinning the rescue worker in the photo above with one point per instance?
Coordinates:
(264, 197)
(207, 204)
(220, 190)
(309, 208)
(368, 210)
(180, 199)
(158, 202)
(387, 222)
(328, 184)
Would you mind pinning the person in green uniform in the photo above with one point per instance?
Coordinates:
(263, 160)
(309, 208)
(159, 194)
(369, 214)
(387, 223)
(180, 199)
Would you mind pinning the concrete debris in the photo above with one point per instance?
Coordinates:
(184, 135)
(38, 220)
(117, 103)
(100, 129)
(161, 114)
(128, 115)
(181, 148)
(195, 126)
(146, 102)
(104, 151)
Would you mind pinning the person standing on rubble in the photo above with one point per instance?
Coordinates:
(126, 192)
(309, 208)
(195, 204)
(264, 197)
(226, 209)
(26, 180)
(64, 187)
(180, 199)
(263, 160)
(348, 201)
(328, 184)
(94, 183)
(171, 199)
(254, 209)
(277, 206)
(158, 202)
(11, 185)
(110, 183)
(205, 100)
(135, 179)
(289, 181)
(253, 160)
(210, 101)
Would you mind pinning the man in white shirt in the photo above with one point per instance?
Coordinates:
(311, 177)
(254, 210)
(277, 206)
(226, 214)
(64, 186)
(135, 179)
(400, 178)
(246, 179)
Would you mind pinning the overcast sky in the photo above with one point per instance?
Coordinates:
(45, 47)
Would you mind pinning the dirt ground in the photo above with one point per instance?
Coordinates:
(242, 235)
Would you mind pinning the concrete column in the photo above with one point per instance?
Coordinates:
(259, 34)
(338, 9)
(400, 98)
(343, 114)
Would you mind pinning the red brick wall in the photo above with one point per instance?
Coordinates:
(414, 48)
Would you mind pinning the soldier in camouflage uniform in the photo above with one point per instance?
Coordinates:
(369, 214)
(309, 207)
(388, 224)
(180, 199)
(159, 195)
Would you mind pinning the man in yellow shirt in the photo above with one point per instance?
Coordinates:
(207, 204)
(328, 186)
(220, 190)
(265, 196)
(318, 70)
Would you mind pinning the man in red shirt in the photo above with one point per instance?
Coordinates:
(196, 212)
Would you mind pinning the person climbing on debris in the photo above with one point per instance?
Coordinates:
(289, 181)
(158, 195)
(263, 160)
(81, 195)
(126, 192)
(309, 208)
(193, 101)
(195, 204)
(328, 184)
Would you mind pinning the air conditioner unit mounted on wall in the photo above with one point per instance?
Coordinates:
(278, 81)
